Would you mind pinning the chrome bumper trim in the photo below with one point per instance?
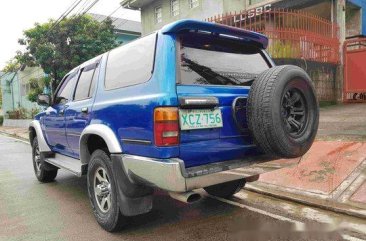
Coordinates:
(171, 175)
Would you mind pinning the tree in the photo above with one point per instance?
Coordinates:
(37, 86)
(1, 98)
(11, 66)
(58, 49)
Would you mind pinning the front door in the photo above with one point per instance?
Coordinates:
(54, 124)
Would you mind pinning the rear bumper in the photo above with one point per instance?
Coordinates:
(171, 174)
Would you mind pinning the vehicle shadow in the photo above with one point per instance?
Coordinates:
(207, 219)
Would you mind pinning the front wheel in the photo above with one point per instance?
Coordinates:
(227, 189)
(44, 171)
(102, 192)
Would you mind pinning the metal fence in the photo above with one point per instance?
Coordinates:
(354, 70)
(292, 34)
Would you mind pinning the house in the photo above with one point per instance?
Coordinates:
(125, 30)
(307, 33)
(15, 88)
(157, 13)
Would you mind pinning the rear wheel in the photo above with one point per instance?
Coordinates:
(103, 193)
(227, 189)
(44, 172)
(283, 113)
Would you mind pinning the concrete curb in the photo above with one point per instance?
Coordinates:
(14, 136)
(21, 123)
(325, 204)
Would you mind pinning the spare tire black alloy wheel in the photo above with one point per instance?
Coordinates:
(294, 112)
(283, 112)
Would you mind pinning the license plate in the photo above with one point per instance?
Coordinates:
(200, 119)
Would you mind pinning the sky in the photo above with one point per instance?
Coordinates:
(19, 15)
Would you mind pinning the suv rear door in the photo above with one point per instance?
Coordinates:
(215, 74)
(77, 114)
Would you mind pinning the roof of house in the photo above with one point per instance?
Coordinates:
(120, 24)
(135, 4)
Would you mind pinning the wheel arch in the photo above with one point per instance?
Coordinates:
(97, 136)
(35, 130)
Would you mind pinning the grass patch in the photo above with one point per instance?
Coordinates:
(324, 104)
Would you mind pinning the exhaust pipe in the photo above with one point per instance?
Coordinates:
(186, 197)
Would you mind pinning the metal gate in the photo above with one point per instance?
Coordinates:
(295, 37)
(355, 70)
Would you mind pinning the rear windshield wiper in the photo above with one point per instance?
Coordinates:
(207, 73)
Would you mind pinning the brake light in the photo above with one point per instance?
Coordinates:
(166, 126)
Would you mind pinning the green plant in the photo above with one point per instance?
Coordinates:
(284, 49)
(1, 98)
(1, 120)
(59, 49)
(33, 112)
(17, 114)
(11, 66)
(37, 86)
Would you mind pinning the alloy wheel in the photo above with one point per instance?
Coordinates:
(294, 112)
(102, 189)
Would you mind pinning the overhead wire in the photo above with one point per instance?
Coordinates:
(84, 9)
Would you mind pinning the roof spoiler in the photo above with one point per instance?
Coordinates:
(219, 29)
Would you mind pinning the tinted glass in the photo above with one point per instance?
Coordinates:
(94, 80)
(83, 86)
(66, 90)
(210, 61)
(131, 64)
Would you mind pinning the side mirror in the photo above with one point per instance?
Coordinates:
(44, 100)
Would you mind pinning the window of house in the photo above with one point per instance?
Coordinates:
(83, 86)
(194, 3)
(252, 2)
(174, 7)
(158, 15)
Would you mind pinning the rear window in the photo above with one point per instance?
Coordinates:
(209, 60)
(131, 64)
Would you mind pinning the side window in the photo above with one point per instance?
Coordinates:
(131, 64)
(84, 83)
(94, 80)
(65, 92)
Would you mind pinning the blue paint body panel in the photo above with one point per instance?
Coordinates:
(244, 35)
(128, 111)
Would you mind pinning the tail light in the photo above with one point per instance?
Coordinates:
(166, 126)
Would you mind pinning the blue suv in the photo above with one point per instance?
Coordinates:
(194, 105)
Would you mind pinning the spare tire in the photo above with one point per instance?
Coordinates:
(283, 112)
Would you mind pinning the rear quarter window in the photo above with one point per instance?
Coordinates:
(131, 64)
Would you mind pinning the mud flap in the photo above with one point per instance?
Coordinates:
(133, 199)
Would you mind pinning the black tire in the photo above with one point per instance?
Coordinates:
(45, 172)
(227, 189)
(108, 215)
(283, 112)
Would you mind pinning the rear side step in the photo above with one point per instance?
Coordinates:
(67, 163)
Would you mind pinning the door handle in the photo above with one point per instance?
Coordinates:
(84, 110)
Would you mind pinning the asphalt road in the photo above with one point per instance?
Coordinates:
(60, 210)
